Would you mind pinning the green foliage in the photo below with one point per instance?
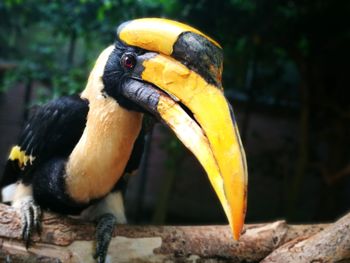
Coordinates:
(55, 43)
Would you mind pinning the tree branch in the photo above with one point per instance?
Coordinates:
(329, 245)
(70, 240)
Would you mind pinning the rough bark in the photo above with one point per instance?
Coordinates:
(65, 239)
(330, 245)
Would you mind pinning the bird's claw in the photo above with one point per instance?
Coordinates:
(104, 232)
(30, 218)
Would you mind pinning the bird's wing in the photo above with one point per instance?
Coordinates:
(53, 130)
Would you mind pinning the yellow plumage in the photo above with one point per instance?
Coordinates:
(20, 156)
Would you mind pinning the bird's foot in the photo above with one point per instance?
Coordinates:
(104, 232)
(30, 218)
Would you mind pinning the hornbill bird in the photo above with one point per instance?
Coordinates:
(74, 150)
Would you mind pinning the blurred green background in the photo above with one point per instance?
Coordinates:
(286, 72)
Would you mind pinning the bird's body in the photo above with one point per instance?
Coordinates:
(74, 150)
(77, 148)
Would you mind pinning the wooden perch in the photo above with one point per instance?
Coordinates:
(330, 245)
(65, 239)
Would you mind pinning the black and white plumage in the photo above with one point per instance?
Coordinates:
(83, 126)
(74, 151)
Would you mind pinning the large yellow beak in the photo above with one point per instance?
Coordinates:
(211, 133)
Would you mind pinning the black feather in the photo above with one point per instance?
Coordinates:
(53, 130)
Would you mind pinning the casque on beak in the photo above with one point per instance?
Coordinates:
(179, 81)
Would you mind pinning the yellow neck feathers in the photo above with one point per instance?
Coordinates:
(100, 157)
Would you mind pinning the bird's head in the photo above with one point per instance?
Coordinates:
(173, 72)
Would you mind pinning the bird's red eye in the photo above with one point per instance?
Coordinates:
(128, 61)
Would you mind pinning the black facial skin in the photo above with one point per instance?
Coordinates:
(119, 68)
